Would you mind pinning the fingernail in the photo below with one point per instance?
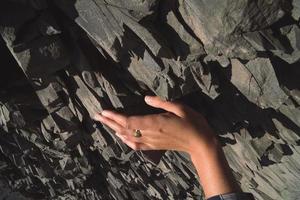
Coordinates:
(117, 134)
(105, 113)
(120, 135)
(95, 117)
(98, 117)
(147, 99)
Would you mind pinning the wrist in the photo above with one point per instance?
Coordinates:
(201, 147)
(213, 170)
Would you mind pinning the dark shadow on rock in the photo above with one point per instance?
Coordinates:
(100, 180)
(281, 149)
(132, 43)
(20, 12)
(67, 7)
(285, 121)
(10, 71)
(265, 161)
(182, 21)
(286, 149)
(232, 111)
(287, 74)
(171, 38)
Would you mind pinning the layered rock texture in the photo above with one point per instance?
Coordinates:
(62, 61)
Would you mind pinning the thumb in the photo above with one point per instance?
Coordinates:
(157, 102)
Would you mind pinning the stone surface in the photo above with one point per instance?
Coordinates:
(63, 61)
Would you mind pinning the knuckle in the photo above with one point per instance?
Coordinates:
(129, 122)
(122, 131)
(151, 120)
(126, 122)
(116, 128)
(163, 118)
(159, 118)
(156, 121)
(181, 108)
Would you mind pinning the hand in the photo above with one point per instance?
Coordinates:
(180, 128)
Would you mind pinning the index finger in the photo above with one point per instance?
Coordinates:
(117, 117)
(173, 107)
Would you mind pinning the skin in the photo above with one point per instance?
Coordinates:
(182, 129)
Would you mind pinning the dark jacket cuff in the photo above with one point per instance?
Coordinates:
(233, 196)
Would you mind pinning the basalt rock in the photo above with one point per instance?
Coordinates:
(62, 61)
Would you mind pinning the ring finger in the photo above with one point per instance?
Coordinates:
(127, 133)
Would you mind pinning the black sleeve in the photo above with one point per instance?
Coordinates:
(233, 196)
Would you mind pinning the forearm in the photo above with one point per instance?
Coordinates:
(214, 172)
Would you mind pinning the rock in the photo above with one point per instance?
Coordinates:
(62, 62)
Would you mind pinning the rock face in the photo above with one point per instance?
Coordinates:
(62, 61)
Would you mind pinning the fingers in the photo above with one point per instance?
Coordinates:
(121, 131)
(111, 123)
(133, 122)
(135, 145)
(175, 108)
(118, 128)
(141, 143)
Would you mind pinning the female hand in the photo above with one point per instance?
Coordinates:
(179, 128)
(182, 129)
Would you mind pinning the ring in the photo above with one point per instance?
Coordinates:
(137, 133)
